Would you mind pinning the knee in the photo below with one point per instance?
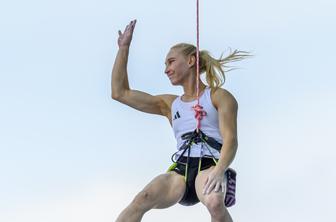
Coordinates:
(143, 201)
(215, 205)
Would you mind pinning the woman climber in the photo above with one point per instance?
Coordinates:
(200, 172)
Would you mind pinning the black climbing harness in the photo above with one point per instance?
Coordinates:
(194, 137)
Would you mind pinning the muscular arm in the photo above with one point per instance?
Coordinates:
(121, 90)
(227, 116)
(227, 108)
(119, 82)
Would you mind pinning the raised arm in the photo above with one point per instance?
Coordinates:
(121, 90)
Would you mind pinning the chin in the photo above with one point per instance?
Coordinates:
(174, 83)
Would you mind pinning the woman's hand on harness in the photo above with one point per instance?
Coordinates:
(216, 181)
(125, 38)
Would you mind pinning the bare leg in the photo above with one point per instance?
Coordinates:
(213, 201)
(163, 191)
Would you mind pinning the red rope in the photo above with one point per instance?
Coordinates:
(197, 50)
(199, 112)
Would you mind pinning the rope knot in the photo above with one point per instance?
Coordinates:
(199, 113)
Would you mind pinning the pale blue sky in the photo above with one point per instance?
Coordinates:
(70, 153)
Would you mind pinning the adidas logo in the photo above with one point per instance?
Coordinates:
(177, 115)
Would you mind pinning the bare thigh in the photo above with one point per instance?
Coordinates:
(199, 184)
(163, 191)
(213, 201)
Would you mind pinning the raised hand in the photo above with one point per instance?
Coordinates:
(125, 38)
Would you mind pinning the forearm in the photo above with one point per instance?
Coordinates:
(119, 73)
(227, 154)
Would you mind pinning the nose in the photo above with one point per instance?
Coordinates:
(167, 70)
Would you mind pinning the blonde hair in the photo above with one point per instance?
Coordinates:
(215, 69)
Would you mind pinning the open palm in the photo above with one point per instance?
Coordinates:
(125, 37)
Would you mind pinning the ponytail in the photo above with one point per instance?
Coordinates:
(215, 69)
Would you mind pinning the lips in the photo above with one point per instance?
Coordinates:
(170, 75)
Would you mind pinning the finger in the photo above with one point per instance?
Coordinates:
(205, 188)
(129, 27)
(206, 185)
(133, 24)
(126, 28)
(210, 188)
(223, 187)
(217, 187)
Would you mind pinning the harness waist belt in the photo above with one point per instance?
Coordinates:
(197, 137)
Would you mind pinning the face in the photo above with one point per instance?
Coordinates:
(177, 66)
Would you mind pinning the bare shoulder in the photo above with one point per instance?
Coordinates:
(168, 98)
(167, 101)
(222, 97)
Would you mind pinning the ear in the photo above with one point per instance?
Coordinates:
(192, 60)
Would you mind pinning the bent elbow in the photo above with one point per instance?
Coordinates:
(233, 140)
(118, 96)
(115, 96)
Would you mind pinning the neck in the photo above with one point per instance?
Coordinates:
(190, 90)
(189, 85)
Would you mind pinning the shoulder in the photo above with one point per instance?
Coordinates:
(166, 102)
(222, 97)
(167, 98)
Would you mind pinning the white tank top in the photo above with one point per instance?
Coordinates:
(183, 121)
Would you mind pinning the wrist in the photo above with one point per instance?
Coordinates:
(124, 47)
(221, 167)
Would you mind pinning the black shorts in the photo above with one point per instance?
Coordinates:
(190, 196)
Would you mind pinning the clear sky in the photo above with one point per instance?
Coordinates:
(68, 152)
